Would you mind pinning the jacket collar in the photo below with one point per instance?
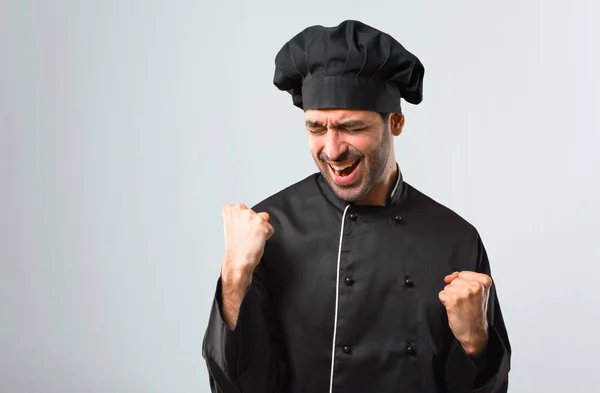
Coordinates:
(333, 198)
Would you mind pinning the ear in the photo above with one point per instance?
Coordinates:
(396, 123)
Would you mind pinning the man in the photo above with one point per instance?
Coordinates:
(351, 280)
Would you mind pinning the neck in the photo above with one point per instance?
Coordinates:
(378, 196)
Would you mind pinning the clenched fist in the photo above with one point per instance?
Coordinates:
(246, 234)
(466, 298)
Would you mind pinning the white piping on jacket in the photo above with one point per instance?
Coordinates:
(337, 296)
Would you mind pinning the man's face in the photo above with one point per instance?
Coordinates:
(351, 149)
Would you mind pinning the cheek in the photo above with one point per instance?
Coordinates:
(315, 146)
(366, 146)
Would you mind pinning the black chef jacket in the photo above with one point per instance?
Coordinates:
(345, 300)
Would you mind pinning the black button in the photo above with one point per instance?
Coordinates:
(410, 349)
(409, 282)
(352, 217)
(347, 349)
(398, 220)
(349, 280)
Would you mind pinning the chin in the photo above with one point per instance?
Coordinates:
(348, 196)
(350, 193)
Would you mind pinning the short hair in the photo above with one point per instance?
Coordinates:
(385, 115)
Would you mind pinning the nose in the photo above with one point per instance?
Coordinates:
(334, 146)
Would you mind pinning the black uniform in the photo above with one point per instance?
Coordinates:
(345, 299)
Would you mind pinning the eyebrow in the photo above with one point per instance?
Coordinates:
(344, 124)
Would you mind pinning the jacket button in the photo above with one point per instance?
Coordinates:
(347, 349)
(410, 349)
(409, 282)
(349, 280)
(352, 217)
(398, 220)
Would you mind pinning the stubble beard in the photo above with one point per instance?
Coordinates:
(378, 161)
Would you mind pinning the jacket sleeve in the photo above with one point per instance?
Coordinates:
(489, 374)
(250, 357)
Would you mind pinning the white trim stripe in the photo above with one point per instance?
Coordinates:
(397, 181)
(337, 297)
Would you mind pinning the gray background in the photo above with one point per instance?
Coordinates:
(126, 125)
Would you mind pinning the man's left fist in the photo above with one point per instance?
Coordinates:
(466, 298)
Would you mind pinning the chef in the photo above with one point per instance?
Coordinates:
(351, 280)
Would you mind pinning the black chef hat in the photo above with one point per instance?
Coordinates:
(349, 66)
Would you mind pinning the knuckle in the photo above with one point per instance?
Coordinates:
(488, 281)
(226, 211)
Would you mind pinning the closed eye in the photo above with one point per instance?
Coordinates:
(355, 130)
(349, 131)
(316, 130)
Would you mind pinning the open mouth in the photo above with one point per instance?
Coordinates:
(345, 169)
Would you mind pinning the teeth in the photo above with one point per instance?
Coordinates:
(341, 168)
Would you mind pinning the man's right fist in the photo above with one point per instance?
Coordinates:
(246, 234)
